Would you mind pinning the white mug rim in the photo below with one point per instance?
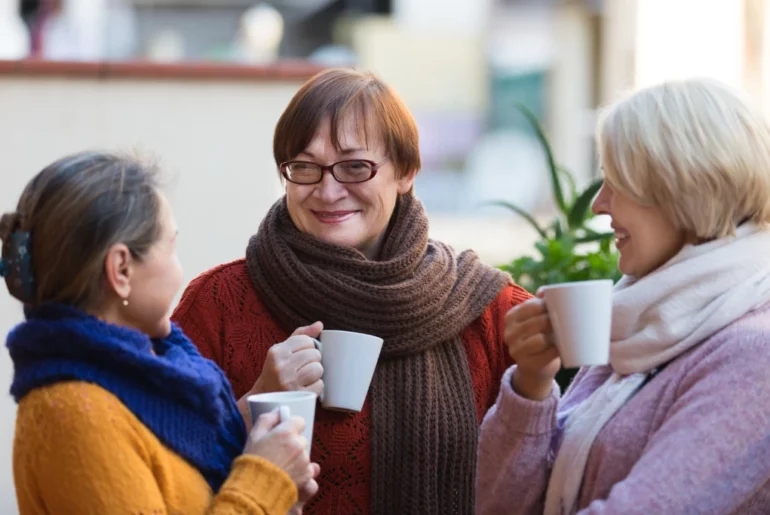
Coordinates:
(576, 284)
(353, 333)
(280, 396)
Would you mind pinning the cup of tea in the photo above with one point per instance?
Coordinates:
(581, 317)
(298, 403)
(349, 360)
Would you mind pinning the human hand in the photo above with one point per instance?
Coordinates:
(528, 335)
(283, 444)
(306, 492)
(294, 364)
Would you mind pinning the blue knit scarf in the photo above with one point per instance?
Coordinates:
(183, 398)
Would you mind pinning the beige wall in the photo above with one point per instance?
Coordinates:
(570, 102)
(214, 139)
(399, 55)
(617, 55)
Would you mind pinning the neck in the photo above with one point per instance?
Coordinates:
(111, 313)
(372, 251)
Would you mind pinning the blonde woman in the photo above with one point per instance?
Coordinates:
(679, 422)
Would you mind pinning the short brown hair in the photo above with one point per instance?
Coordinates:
(337, 93)
(75, 210)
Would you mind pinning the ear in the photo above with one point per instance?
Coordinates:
(406, 182)
(118, 269)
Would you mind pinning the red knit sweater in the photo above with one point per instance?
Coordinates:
(221, 312)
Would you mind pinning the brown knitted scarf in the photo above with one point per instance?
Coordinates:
(418, 297)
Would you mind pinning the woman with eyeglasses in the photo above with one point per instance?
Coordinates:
(347, 248)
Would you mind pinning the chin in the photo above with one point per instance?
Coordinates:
(624, 267)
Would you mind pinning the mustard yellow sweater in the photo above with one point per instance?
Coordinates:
(79, 450)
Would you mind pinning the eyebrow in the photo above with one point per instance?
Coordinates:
(343, 151)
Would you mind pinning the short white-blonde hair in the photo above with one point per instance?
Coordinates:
(696, 149)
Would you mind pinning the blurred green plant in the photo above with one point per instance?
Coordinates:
(568, 249)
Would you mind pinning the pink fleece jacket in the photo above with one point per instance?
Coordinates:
(694, 440)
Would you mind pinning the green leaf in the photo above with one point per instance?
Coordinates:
(540, 133)
(558, 230)
(519, 211)
(588, 231)
(571, 183)
(568, 250)
(603, 236)
(577, 216)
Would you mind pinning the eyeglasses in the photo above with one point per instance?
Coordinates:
(345, 172)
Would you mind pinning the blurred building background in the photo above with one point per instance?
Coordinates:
(461, 66)
(161, 76)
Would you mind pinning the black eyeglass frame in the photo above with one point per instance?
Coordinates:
(330, 168)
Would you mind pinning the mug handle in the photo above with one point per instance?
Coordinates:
(320, 347)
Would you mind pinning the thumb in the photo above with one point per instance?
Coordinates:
(265, 423)
(313, 330)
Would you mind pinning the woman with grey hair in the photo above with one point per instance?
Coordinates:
(678, 421)
(117, 410)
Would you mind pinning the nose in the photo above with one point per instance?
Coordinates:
(329, 190)
(601, 204)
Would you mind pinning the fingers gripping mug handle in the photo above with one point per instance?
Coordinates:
(320, 347)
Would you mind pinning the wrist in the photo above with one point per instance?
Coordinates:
(532, 387)
(243, 402)
(243, 408)
(259, 387)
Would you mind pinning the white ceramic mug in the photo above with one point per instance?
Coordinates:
(299, 403)
(349, 360)
(581, 317)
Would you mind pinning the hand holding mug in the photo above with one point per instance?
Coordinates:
(568, 322)
(283, 444)
(306, 492)
(294, 364)
(528, 335)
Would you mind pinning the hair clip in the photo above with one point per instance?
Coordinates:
(3, 268)
(17, 266)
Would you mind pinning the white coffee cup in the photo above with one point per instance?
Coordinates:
(581, 317)
(298, 403)
(349, 360)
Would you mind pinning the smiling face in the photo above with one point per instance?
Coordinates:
(644, 235)
(685, 162)
(341, 115)
(349, 215)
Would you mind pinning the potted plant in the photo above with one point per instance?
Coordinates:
(568, 249)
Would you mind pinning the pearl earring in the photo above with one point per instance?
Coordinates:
(125, 302)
